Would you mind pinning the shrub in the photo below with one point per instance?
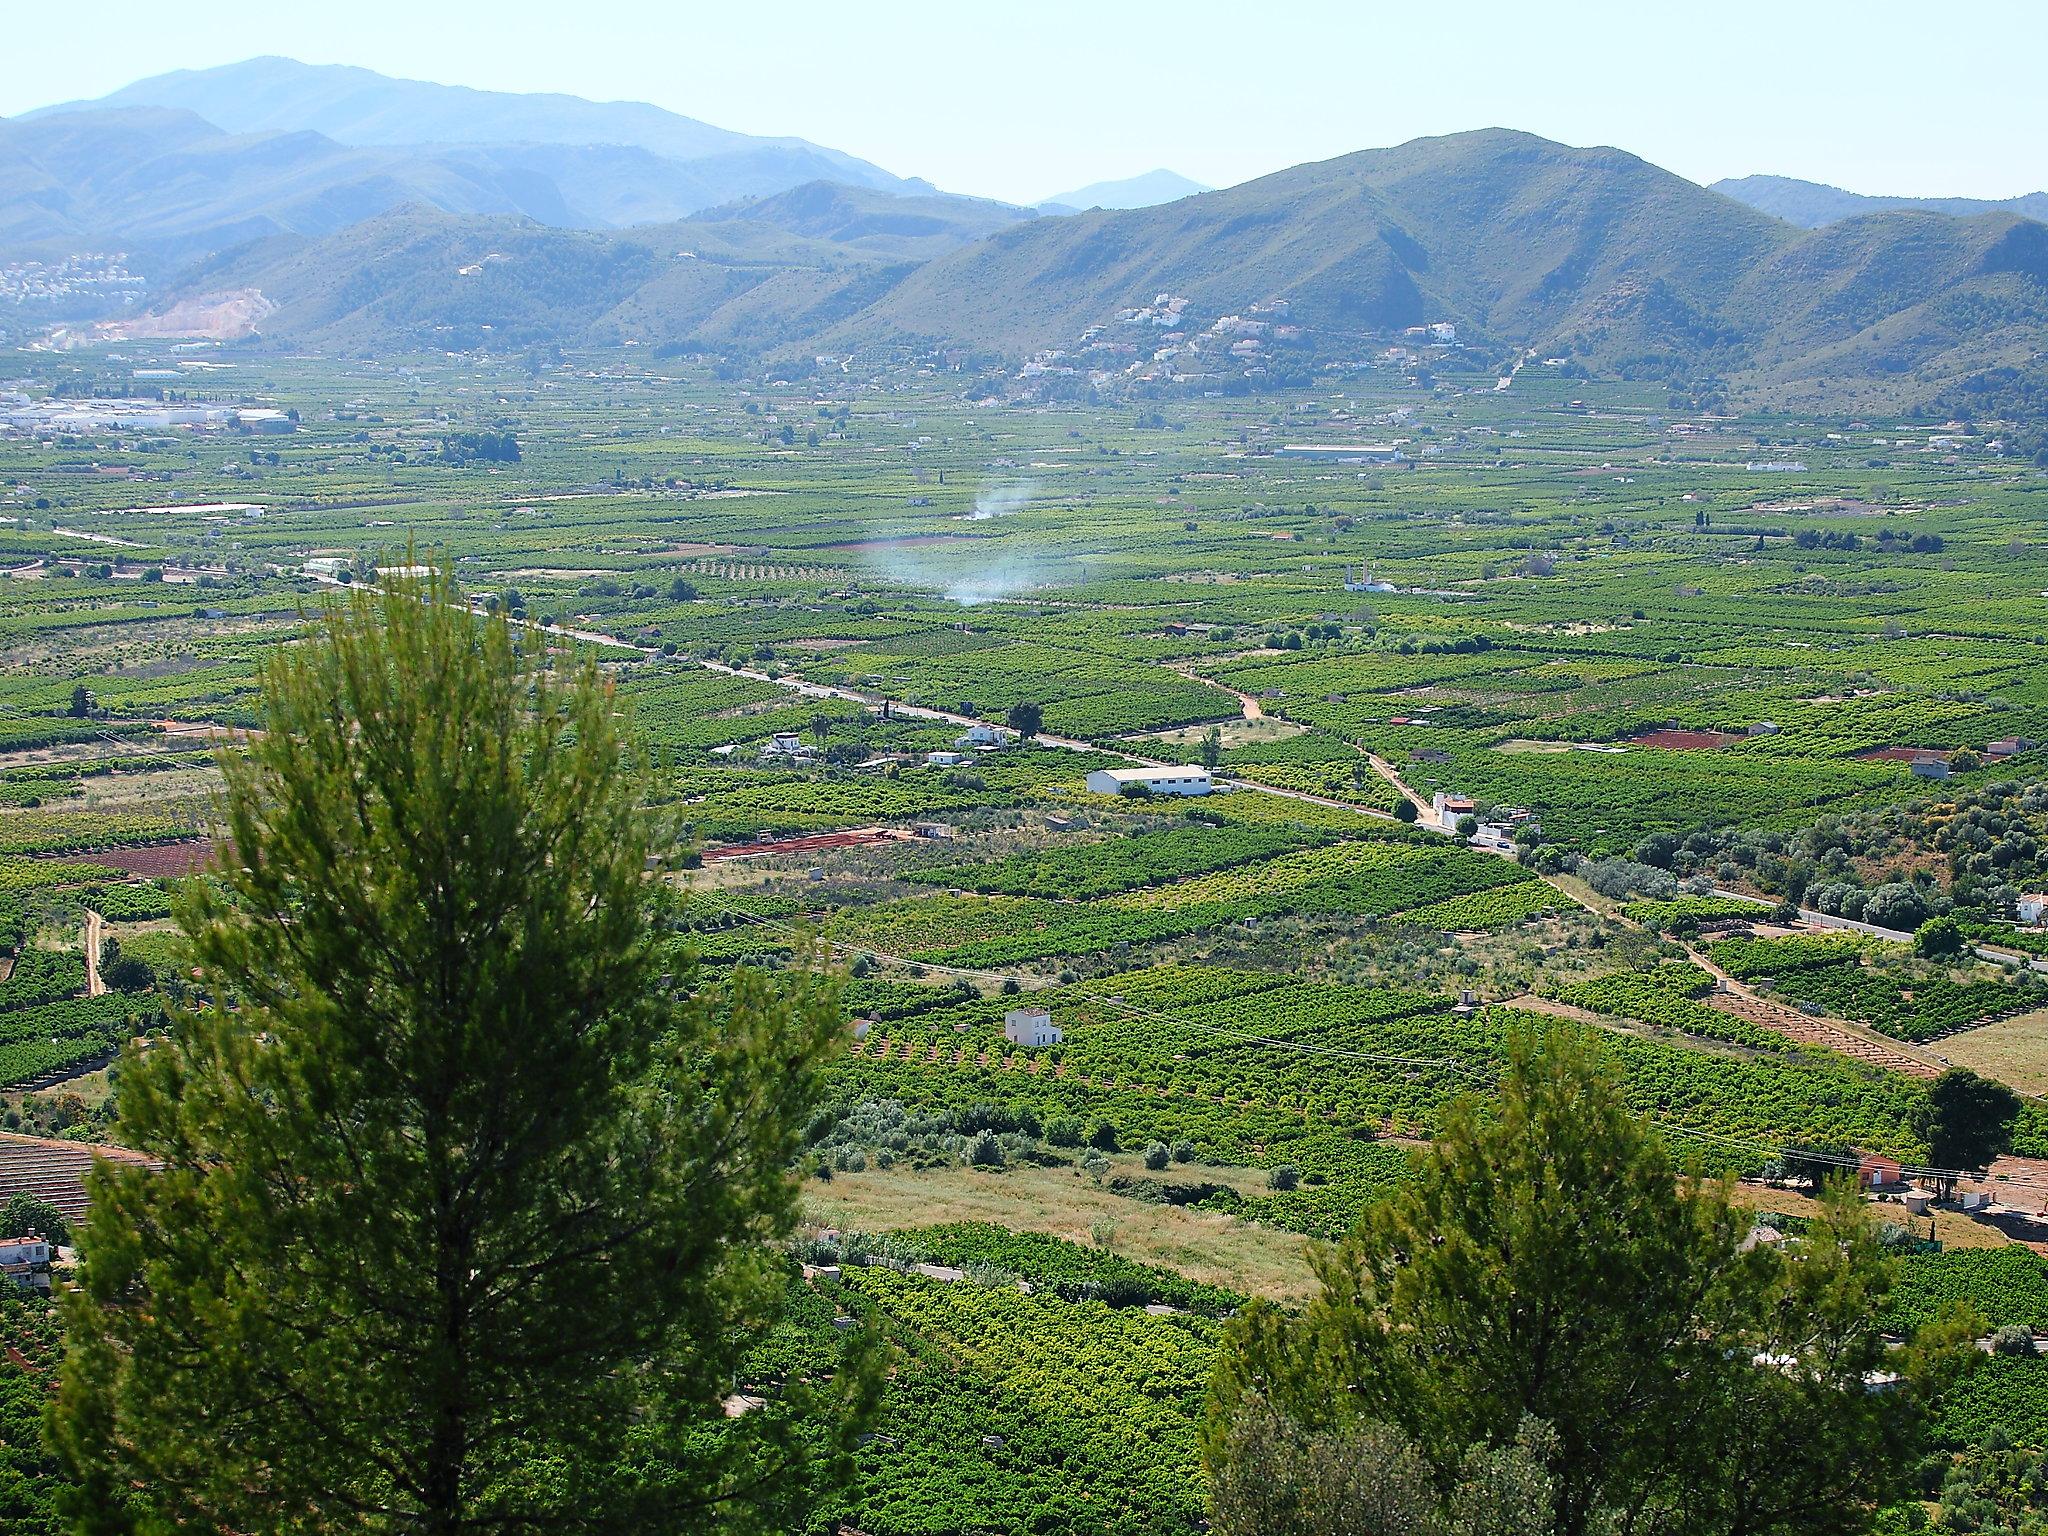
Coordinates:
(1156, 1154)
(1896, 905)
(1620, 879)
(1938, 937)
(2013, 1339)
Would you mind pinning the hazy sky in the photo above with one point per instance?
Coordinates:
(1023, 100)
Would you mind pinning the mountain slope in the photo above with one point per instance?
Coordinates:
(1591, 253)
(360, 106)
(1131, 192)
(1809, 204)
(416, 278)
(1905, 303)
(1505, 233)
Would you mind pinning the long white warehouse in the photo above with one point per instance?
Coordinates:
(1160, 781)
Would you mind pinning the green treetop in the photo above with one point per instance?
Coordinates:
(1553, 1289)
(467, 1188)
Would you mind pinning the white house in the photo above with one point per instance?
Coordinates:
(26, 1260)
(1030, 1027)
(942, 759)
(1449, 808)
(2032, 907)
(1160, 781)
(785, 746)
(983, 736)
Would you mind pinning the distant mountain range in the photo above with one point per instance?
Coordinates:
(1589, 255)
(360, 106)
(1131, 192)
(377, 215)
(1809, 204)
(186, 164)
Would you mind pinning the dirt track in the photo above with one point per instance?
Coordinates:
(95, 928)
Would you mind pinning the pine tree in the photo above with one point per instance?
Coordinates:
(1551, 1264)
(467, 1186)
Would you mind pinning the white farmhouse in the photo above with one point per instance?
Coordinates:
(1030, 1027)
(26, 1260)
(1160, 781)
(785, 747)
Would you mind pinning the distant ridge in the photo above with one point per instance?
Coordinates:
(1144, 191)
(360, 106)
(1811, 204)
(310, 148)
(863, 219)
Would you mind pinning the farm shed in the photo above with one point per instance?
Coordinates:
(1160, 781)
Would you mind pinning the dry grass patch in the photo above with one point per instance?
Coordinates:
(1064, 1202)
(2014, 1050)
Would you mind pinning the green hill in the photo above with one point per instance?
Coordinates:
(418, 277)
(1504, 234)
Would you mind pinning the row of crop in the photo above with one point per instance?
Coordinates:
(1668, 996)
(42, 976)
(2008, 1285)
(18, 874)
(1747, 958)
(1366, 872)
(1117, 864)
(2008, 1395)
(80, 831)
(1923, 1008)
(1314, 1056)
(1679, 911)
(42, 1039)
(1911, 1002)
(1501, 907)
(1343, 880)
(139, 902)
(1332, 780)
(1008, 1412)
